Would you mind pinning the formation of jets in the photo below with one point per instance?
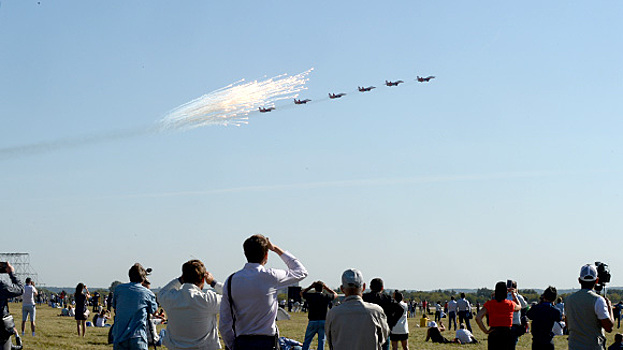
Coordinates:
(425, 80)
(360, 88)
(364, 89)
(332, 96)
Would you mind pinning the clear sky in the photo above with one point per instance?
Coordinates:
(507, 165)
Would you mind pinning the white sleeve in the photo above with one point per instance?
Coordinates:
(601, 309)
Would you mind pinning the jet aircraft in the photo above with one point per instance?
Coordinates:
(301, 102)
(393, 83)
(264, 110)
(364, 89)
(332, 96)
(425, 80)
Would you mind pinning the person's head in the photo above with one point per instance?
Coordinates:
(559, 301)
(500, 291)
(451, 298)
(514, 284)
(137, 273)
(318, 286)
(256, 249)
(618, 338)
(28, 280)
(462, 295)
(549, 294)
(376, 285)
(352, 282)
(193, 271)
(588, 276)
(462, 326)
(398, 296)
(79, 288)
(432, 324)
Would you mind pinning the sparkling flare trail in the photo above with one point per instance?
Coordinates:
(232, 104)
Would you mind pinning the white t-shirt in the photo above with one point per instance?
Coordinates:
(452, 304)
(100, 321)
(601, 310)
(464, 336)
(402, 327)
(29, 295)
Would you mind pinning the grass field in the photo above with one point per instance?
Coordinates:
(54, 332)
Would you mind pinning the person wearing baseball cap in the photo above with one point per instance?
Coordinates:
(355, 324)
(588, 313)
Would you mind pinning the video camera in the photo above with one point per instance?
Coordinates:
(603, 273)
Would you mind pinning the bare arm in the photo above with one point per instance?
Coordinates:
(608, 323)
(479, 317)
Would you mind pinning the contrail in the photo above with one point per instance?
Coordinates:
(230, 105)
(73, 142)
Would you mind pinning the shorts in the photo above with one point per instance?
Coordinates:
(398, 337)
(29, 309)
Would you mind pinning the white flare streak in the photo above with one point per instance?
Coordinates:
(232, 104)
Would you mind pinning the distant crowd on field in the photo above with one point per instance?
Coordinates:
(240, 312)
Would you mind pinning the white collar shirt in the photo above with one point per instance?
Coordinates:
(191, 312)
(254, 293)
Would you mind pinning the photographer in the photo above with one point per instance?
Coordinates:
(588, 313)
(7, 291)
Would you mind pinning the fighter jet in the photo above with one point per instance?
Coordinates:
(332, 96)
(264, 110)
(393, 83)
(425, 80)
(364, 89)
(301, 102)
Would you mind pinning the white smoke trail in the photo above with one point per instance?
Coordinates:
(232, 104)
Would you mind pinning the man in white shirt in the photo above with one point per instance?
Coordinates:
(248, 320)
(464, 311)
(452, 305)
(28, 306)
(191, 311)
(464, 336)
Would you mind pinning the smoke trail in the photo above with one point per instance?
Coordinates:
(73, 142)
(226, 106)
(232, 104)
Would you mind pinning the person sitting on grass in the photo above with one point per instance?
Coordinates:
(100, 320)
(434, 333)
(618, 342)
(463, 336)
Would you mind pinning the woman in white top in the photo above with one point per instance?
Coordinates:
(400, 332)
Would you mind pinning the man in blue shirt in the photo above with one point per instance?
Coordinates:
(133, 304)
(543, 316)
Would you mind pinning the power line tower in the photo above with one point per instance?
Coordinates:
(21, 263)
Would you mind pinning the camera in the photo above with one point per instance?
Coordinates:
(603, 273)
(4, 267)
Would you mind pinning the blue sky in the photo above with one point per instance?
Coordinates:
(507, 165)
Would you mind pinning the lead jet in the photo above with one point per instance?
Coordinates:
(364, 89)
(264, 110)
(332, 96)
(393, 83)
(301, 102)
(425, 80)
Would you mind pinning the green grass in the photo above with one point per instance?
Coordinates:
(54, 332)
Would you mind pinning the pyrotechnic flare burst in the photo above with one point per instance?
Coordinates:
(232, 104)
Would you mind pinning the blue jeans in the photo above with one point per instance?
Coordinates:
(131, 344)
(314, 327)
(452, 319)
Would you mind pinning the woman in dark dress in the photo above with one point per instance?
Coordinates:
(81, 296)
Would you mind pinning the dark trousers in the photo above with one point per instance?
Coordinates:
(464, 317)
(542, 346)
(501, 338)
(256, 342)
(452, 319)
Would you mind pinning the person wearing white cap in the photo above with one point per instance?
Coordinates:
(355, 324)
(588, 314)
